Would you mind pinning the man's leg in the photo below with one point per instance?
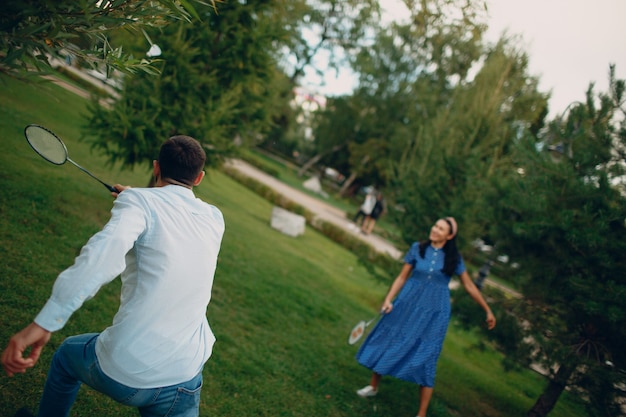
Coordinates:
(75, 362)
(63, 381)
(181, 400)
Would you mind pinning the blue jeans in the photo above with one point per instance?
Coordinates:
(75, 362)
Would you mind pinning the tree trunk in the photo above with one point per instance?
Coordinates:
(548, 399)
(346, 184)
(317, 157)
(309, 164)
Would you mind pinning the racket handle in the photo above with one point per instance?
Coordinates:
(111, 188)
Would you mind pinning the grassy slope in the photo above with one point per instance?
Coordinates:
(281, 306)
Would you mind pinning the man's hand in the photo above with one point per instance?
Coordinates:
(32, 336)
(120, 188)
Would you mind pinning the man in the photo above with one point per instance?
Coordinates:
(164, 242)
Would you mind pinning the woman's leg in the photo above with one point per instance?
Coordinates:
(375, 380)
(425, 394)
(370, 226)
(365, 224)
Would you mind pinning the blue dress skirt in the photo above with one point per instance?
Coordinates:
(406, 342)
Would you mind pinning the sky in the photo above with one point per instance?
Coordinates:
(570, 43)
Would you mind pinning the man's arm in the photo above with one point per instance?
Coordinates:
(100, 261)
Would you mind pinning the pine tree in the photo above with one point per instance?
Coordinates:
(561, 215)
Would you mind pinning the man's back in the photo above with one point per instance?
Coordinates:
(164, 243)
(160, 335)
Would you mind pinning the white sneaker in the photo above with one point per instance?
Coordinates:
(367, 391)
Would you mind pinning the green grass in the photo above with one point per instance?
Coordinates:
(281, 306)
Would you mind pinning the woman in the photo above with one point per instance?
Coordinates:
(375, 213)
(366, 208)
(407, 340)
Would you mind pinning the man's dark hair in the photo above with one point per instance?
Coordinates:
(181, 158)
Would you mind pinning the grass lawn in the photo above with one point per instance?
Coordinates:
(281, 307)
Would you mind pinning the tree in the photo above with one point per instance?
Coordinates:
(465, 141)
(33, 31)
(562, 218)
(218, 83)
(321, 35)
(238, 59)
(405, 73)
(334, 28)
(336, 126)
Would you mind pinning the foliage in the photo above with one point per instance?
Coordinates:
(448, 159)
(284, 134)
(33, 31)
(322, 36)
(356, 134)
(336, 127)
(334, 28)
(563, 219)
(217, 83)
(419, 120)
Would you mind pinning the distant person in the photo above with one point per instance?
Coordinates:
(366, 207)
(483, 273)
(378, 210)
(407, 340)
(164, 242)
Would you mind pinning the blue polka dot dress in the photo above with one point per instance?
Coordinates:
(406, 343)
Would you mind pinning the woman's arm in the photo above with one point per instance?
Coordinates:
(471, 289)
(395, 288)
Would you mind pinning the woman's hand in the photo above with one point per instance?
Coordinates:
(491, 320)
(386, 307)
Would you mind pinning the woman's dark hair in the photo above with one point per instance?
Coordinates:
(181, 158)
(452, 256)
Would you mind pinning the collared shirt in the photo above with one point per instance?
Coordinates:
(431, 265)
(164, 242)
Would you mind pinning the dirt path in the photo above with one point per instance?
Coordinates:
(69, 87)
(319, 208)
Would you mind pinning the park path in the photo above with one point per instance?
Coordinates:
(72, 88)
(319, 208)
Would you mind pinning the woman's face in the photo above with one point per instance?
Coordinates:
(440, 232)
